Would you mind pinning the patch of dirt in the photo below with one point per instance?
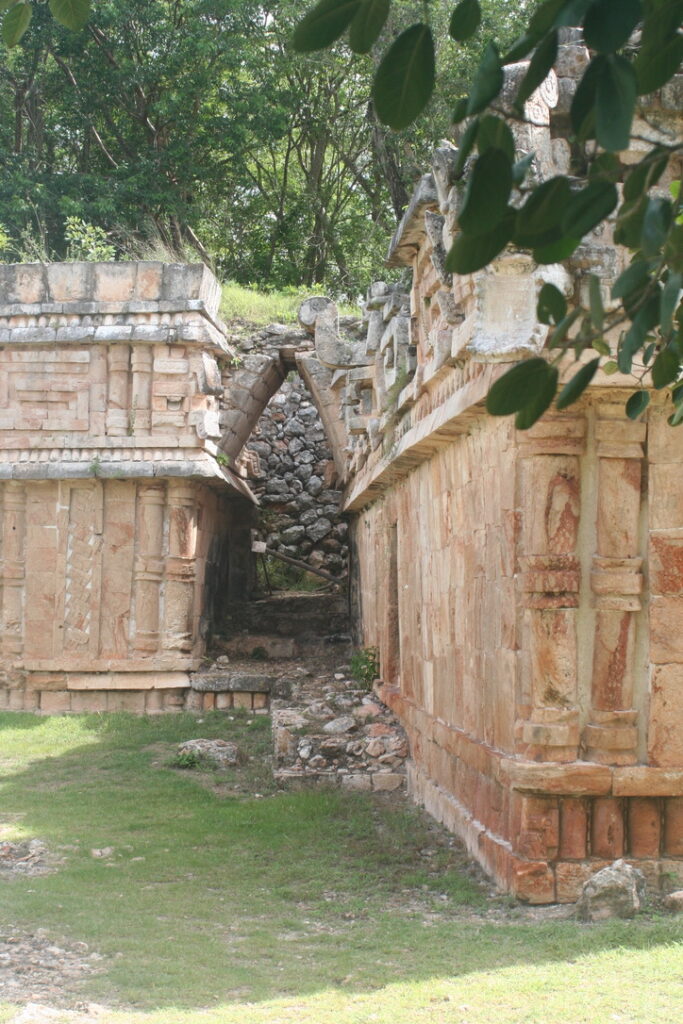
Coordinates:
(35, 970)
(27, 858)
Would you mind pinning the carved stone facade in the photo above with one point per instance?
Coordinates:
(115, 512)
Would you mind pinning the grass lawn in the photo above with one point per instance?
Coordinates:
(220, 907)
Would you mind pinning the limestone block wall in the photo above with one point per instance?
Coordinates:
(530, 641)
(115, 508)
(524, 588)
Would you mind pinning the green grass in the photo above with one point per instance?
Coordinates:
(262, 308)
(314, 907)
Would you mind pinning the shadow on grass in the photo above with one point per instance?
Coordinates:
(207, 900)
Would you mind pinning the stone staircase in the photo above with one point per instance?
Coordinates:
(289, 655)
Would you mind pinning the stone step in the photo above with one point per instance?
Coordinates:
(299, 616)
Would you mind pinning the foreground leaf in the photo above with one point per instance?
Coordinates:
(404, 81)
(588, 207)
(615, 102)
(487, 194)
(637, 404)
(470, 253)
(15, 23)
(367, 24)
(539, 68)
(495, 133)
(541, 401)
(323, 25)
(575, 387)
(661, 47)
(72, 13)
(665, 369)
(487, 82)
(518, 387)
(465, 20)
(538, 220)
(552, 305)
(608, 25)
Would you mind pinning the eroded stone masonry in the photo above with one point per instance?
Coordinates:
(525, 589)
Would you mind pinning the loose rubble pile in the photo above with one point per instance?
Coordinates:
(29, 857)
(330, 731)
(292, 475)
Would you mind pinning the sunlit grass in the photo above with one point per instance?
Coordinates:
(262, 308)
(217, 906)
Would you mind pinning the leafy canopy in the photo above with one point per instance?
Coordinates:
(638, 328)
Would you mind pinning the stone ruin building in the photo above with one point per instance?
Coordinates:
(524, 589)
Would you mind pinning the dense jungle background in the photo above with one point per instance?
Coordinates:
(189, 129)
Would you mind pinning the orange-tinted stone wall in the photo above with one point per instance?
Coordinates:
(537, 652)
(103, 590)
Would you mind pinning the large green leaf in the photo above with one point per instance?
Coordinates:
(582, 110)
(495, 133)
(518, 387)
(404, 81)
(541, 401)
(15, 23)
(540, 217)
(615, 102)
(488, 191)
(556, 251)
(544, 17)
(470, 253)
(72, 13)
(608, 25)
(324, 24)
(596, 305)
(656, 224)
(666, 368)
(670, 297)
(589, 207)
(487, 81)
(629, 223)
(661, 47)
(465, 20)
(367, 24)
(466, 145)
(645, 174)
(575, 387)
(539, 67)
(552, 305)
(637, 404)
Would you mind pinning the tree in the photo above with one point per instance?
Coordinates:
(636, 48)
(18, 13)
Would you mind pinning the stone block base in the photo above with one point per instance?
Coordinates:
(148, 695)
(554, 843)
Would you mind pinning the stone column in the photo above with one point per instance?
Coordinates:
(617, 582)
(141, 390)
(180, 566)
(149, 565)
(549, 577)
(13, 568)
(118, 360)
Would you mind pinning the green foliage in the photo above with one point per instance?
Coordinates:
(186, 760)
(641, 333)
(87, 241)
(364, 665)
